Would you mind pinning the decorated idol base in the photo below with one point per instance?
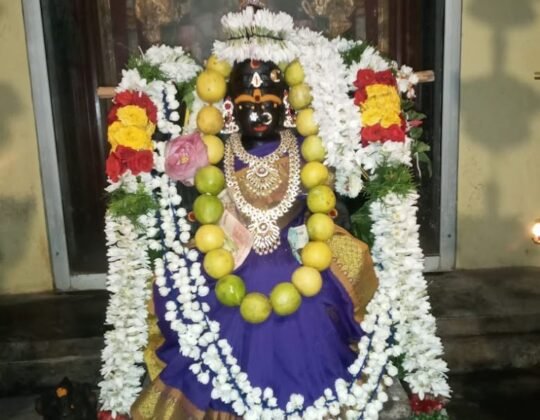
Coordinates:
(167, 125)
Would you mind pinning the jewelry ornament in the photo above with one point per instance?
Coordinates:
(263, 179)
(230, 126)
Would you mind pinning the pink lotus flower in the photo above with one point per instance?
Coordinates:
(183, 156)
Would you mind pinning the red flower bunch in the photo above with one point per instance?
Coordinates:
(379, 133)
(366, 77)
(107, 415)
(426, 406)
(124, 158)
(129, 97)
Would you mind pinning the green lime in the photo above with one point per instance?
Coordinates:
(218, 263)
(300, 96)
(230, 290)
(294, 73)
(207, 209)
(209, 180)
(313, 149)
(321, 199)
(285, 299)
(255, 308)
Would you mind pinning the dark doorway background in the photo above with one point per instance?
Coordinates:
(89, 42)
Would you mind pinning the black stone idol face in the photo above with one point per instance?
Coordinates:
(257, 89)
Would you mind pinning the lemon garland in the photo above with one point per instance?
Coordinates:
(316, 256)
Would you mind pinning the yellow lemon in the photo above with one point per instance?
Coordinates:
(313, 149)
(209, 237)
(214, 147)
(294, 74)
(255, 308)
(230, 290)
(209, 120)
(305, 122)
(317, 254)
(221, 66)
(321, 199)
(207, 209)
(218, 263)
(300, 96)
(313, 174)
(320, 227)
(285, 299)
(211, 86)
(209, 180)
(307, 280)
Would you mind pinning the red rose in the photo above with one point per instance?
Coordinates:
(125, 153)
(114, 167)
(112, 117)
(128, 97)
(395, 133)
(372, 133)
(386, 77)
(107, 415)
(427, 405)
(142, 161)
(365, 77)
(123, 98)
(360, 96)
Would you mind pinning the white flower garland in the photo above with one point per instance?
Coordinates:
(174, 63)
(129, 272)
(266, 32)
(335, 113)
(128, 282)
(399, 262)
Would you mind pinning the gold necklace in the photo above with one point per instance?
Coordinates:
(263, 223)
(262, 176)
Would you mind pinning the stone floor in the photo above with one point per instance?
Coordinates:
(503, 395)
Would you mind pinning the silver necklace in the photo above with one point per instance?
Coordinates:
(262, 177)
(263, 223)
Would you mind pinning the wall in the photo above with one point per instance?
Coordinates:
(24, 251)
(499, 170)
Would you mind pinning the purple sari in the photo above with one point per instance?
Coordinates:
(303, 353)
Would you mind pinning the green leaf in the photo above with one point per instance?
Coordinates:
(407, 104)
(186, 91)
(420, 147)
(354, 54)
(146, 70)
(416, 132)
(413, 115)
(131, 205)
(361, 225)
(388, 179)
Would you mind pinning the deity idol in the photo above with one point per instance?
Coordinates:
(290, 309)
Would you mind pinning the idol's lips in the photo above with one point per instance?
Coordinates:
(260, 128)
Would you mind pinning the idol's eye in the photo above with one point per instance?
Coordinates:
(275, 75)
